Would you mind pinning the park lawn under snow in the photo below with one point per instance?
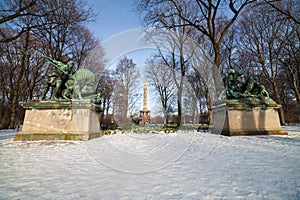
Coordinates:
(182, 165)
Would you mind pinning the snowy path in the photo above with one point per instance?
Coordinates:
(174, 166)
(7, 134)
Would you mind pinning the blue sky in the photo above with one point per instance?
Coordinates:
(114, 16)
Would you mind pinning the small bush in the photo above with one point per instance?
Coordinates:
(203, 127)
(170, 128)
(112, 126)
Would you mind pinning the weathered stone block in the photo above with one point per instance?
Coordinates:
(238, 119)
(60, 120)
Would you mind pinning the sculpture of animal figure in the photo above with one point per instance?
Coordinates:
(80, 85)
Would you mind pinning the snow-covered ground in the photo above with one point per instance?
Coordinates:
(185, 165)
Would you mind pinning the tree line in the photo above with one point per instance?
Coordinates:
(53, 27)
(258, 36)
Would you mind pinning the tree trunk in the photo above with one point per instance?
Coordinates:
(179, 113)
(281, 116)
(125, 105)
(208, 104)
(13, 110)
(195, 112)
(216, 73)
(179, 103)
(165, 116)
(280, 111)
(16, 87)
(294, 83)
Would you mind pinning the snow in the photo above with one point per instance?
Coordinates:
(5, 134)
(182, 165)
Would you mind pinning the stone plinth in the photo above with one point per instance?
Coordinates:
(145, 117)
(242, 119)
(60, 120)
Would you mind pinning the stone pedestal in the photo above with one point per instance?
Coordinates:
(60, 120)
(242, 119)
(145, 117)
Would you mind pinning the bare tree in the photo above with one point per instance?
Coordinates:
(16, 59)
(290, 60)
(86, 51)
(105, 87)
(52, 27)
(201, 20)
(62, 31)
(177, 65)
(199, 91)
(263, 38)
(212, 19)
(158, 76)
(173, 51)
(12, 10)
(125, 93)
(91, 57)
(289, 8)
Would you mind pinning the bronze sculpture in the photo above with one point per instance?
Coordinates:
(249, 90)
(57, 78)
(80, 85)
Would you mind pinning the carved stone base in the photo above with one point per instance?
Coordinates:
(59, 120)
(144, 117)
(241, 119)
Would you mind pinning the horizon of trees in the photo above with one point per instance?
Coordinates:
(125, 91)
(54, 28)
(260, 37)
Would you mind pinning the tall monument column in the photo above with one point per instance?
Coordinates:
(145, 96)
(145, 113)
